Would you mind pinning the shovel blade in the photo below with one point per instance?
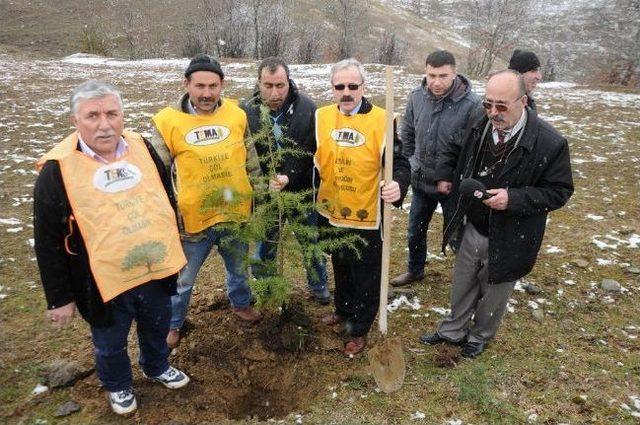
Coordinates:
(387, 364)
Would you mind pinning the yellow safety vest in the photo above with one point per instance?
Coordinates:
(348, 157)
(124, 215)
(210, 157)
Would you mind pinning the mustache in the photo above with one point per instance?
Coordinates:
(347, 98)
(497, 118)
(205, 99)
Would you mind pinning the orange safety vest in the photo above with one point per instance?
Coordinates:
(210, 157)
(349, 160)
(124, 215)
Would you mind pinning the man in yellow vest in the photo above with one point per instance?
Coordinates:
(107, 242)
(202, 144)
(350, 147)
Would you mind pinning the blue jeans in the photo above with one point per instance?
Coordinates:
(150, 306)
(422, 208)
(266, 251)
(233, 252)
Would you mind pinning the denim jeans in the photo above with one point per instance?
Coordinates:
(150, 306)
(233, 252)
(316, 272)
(422, 208)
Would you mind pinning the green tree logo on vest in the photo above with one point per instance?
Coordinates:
(144, 255)
(347, 137)
(207, 135)
(362, 214)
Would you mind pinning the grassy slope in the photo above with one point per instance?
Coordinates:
(55, 28)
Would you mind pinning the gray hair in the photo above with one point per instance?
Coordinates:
(93, 89)
(346, 64)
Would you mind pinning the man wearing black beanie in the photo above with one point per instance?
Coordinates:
(202, 143)
(527, 64)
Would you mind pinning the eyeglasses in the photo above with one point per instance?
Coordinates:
(352, 86)
(500, 107)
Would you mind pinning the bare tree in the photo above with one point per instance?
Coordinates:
(493, 31)
(391, 49)
(619, 36)
(275, 25)
(308, 46)
(224, 22)
(347, 15)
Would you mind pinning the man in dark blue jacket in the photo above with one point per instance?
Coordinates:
(436, 114)
(524, 163)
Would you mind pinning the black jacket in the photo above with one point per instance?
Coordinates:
(66, 277)
(298, 126)
(537, 175)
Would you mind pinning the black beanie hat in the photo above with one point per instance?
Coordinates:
(523, 61)
(203, 62)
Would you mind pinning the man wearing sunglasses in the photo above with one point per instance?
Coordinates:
(350, 137)
(436, 113)
(524, 163)
(527, 64)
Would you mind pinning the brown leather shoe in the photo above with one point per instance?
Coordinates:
(173, 338)
(355, 346)
(406, 279)
(248, 314)
(332, 319)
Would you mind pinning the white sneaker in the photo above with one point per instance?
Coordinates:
(123, 402)
(171, 378)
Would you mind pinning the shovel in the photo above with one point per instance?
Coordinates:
(386, 358)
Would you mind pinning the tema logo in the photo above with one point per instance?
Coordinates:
(207, 135)
(347, 137)
(117, 177)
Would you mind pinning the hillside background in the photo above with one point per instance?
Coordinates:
(594, 41)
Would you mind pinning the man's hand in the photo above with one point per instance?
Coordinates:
(444, 187)
(499, 200)
(62, 316)
(277, 184)
(390, 192)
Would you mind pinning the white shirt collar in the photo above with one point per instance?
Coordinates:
(121, 149)
(513, 130)
(354, 111)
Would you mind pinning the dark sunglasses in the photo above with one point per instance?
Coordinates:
(352, 86)
(500, 107)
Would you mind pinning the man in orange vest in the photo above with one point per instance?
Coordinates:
(350, 137)
(202, 143)
(107, 242)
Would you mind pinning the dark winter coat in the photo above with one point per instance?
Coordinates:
(66, 277)
(298, 125)
(537, 176)
(430, 124)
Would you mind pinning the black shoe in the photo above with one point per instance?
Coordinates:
(434, 338)
(471, 350)
(406, 279)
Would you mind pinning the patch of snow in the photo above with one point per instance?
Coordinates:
(403, 300)
(39, 389)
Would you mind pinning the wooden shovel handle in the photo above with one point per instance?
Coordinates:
(386, 218)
